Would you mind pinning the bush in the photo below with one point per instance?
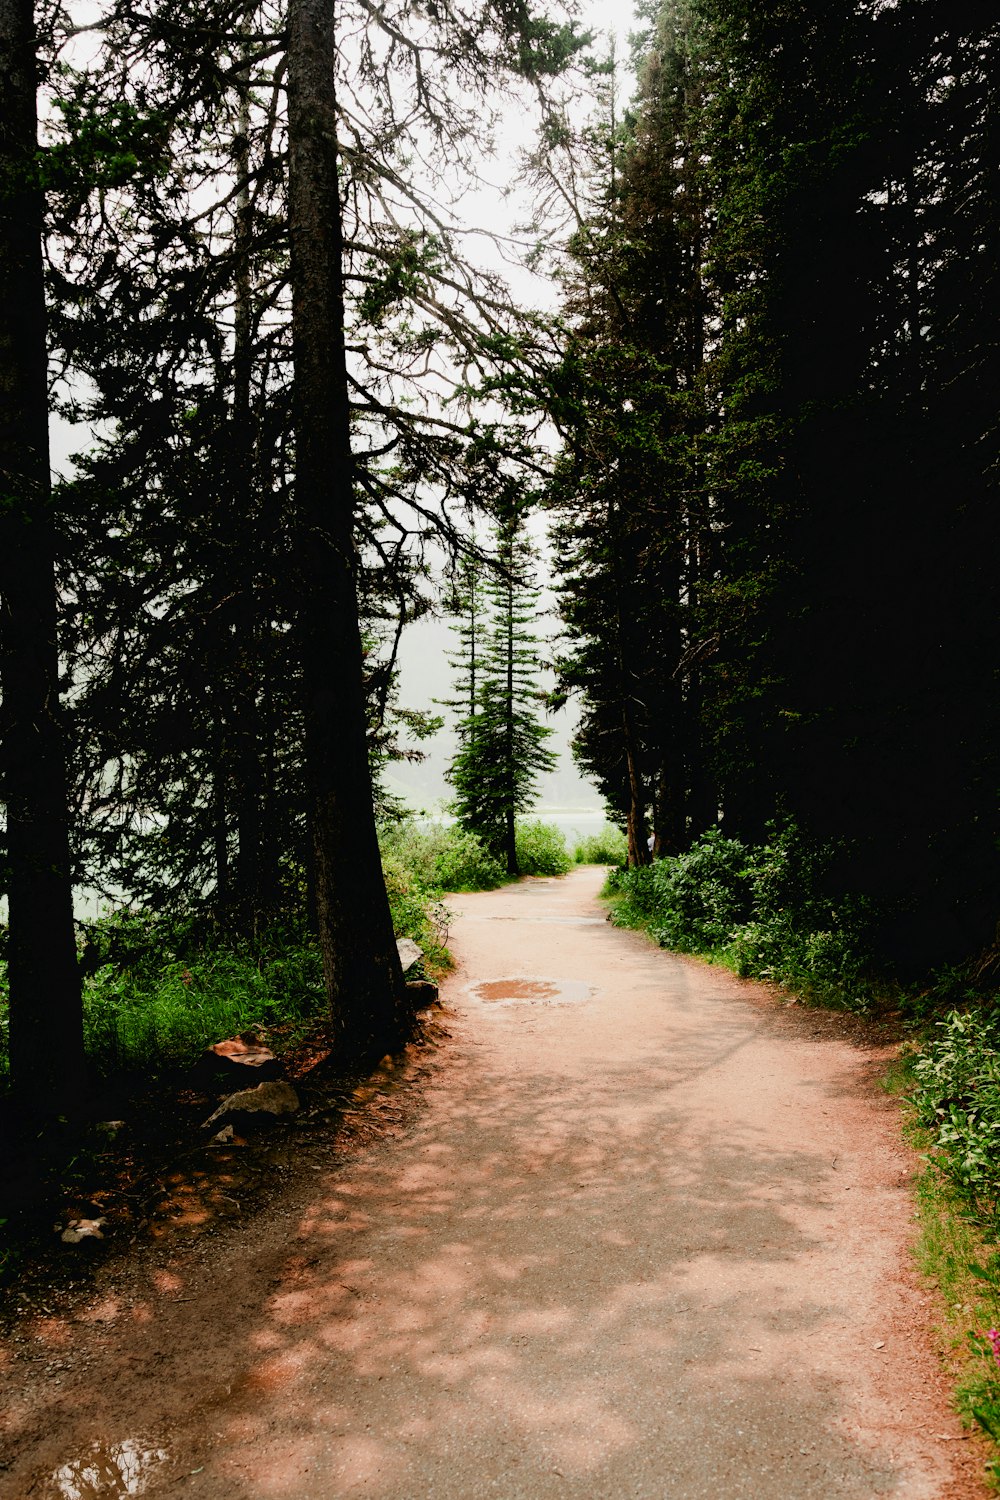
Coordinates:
(440, 858)
(762, 910)
(608, 847)
(957, 1096)
(541, 849)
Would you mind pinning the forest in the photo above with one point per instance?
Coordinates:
(757, 415)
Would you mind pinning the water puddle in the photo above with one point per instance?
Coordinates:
(531, 991)
(105, 1472)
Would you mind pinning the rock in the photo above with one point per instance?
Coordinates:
(82, 1229)
(224, 1136)
(237, 1058)
(110, 1128)
(266, 1099)
(410, 953)
(421, 993)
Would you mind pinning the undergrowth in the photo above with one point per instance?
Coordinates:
(158, 989)
(541, 848)
(956, 1196)
(763, 911)
(608, 846)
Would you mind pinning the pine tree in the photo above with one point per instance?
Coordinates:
(630, 492)
(502, 750)
(46, 1020)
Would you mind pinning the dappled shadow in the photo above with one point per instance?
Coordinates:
(542, 1294)
(591, 1268)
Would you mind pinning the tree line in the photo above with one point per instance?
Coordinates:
(776, 502)
(235, 254)
(240, 255)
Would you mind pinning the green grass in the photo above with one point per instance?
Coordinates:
(158, 993)
(149, 1016)
(957, 1253)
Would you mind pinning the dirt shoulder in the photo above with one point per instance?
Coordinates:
(630, 1228)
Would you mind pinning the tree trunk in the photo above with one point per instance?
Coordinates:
(510, 825)
(46, 1023)
(638, 837)
(250, 901)
(363, 976)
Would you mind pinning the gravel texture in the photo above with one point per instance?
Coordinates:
(634, 1230)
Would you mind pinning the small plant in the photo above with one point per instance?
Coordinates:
(957, 1096)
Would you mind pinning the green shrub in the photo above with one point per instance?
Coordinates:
(608, 847)
(441, 857)
(541, 848)
(957, 1096)
(465, 864)
(700, 896)
(763, 911)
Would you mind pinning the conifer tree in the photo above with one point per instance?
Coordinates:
(502, 750)
(46, 1021)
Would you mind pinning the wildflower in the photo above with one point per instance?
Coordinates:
(994, 1338)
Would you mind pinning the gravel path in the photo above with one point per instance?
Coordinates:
(642, 1236)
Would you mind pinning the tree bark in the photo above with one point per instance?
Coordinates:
(46, 1023)
(363, 976)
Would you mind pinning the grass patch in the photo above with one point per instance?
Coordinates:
(957, 1253)
(157, 990)
(155, 1015)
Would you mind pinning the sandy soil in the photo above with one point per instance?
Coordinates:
(636, 1230)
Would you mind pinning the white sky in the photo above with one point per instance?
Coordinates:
(424, 671)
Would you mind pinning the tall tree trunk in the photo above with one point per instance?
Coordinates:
(363, 976)
(46, 1023)
(637, 831)
(510, 824)
(249, 898)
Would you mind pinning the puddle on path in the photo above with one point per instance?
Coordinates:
(533, 991)
(105, 1472)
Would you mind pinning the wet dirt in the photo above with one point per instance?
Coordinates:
(652, 1243)
(531, 991)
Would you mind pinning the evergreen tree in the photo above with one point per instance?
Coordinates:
(189, 710)
(630, 489)
(797, 235)
(46, 1021)
(502, 750)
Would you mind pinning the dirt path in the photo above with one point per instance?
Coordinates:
(643, 1235)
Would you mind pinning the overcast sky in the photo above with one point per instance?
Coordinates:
(424, 671)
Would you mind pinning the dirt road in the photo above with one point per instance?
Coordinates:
(642, 1237)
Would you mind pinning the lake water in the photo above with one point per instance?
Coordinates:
(574, 823)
